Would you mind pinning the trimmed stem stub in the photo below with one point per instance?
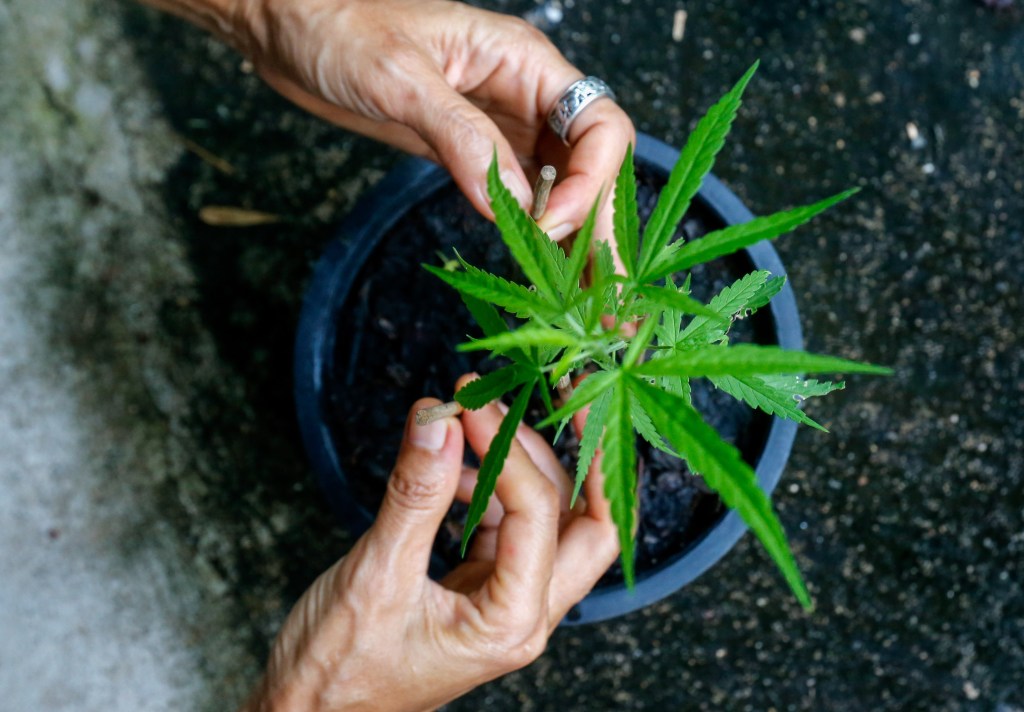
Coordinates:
(541, 191)
(425, 416)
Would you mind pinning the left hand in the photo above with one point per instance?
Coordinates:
(375, 632)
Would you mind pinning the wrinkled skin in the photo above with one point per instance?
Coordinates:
(375, 633)
(446, 81)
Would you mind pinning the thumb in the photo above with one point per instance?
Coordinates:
(464, 139)
(420, 491)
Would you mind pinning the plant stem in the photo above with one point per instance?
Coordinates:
(541, 191)
(565, 389)
(436, 412)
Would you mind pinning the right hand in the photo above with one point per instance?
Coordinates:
(446, 81)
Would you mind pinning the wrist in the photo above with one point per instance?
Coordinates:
(224, 19)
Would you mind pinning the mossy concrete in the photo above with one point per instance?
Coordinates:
(157, 517)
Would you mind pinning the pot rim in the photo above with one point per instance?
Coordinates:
(359, 234)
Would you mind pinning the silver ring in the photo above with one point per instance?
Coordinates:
(577, 97)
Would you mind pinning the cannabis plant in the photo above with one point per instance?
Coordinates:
(641, 337)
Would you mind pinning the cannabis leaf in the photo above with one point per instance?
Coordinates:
(753, 391)
(592, 430)
(626, 222)
(513, 297)
(724, 470)
(618, 464)
(682, 256)
(748, 359)
(478, 393)
(494, 461)
(695, 161)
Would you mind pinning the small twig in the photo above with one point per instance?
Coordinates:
(541, 191)
(208, 156)
(436, 412)
(230, 216)
(565, 389)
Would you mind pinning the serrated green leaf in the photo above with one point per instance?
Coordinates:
(581, 248)
(492, 324)
(724, 470)
(683, 303)
(667, 333)
(695, 161)
(676, 385)
(522, 236)
(478, 393)
(494, 461)
(639, 343)
(565, 364)
(604, 277)
(556, 263)
(765, 294)
(592, 429)
(513, 297)
(626, 223)
(588, 389)
(618, 463)
(523, 338)
(643, 424)
(736, 237)
(757, 394)
(800, 388)
(732, 299)
(486, 316)
(748, 359)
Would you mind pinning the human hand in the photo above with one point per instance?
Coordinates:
(374, 632)
(443, 80)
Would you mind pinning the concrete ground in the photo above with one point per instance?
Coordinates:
(156, 514)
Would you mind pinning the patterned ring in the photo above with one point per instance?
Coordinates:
(576, 98)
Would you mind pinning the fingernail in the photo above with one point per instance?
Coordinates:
(560, 232)
(430, 436)
(515, 183)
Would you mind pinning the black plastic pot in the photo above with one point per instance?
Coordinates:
(409, 185)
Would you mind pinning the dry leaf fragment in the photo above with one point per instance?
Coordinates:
(227, 216)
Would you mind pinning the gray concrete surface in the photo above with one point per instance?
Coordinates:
(156, 516)
(103, 604)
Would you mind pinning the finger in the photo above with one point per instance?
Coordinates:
(586, 548)
(541, 454)
(419, 493)
(599, 137)
(463, 138)
(588, 545)
(528, 534)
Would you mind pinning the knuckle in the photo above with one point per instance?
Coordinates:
(461, 130)
(522, 650)
(525, 32)
(411, 492)
(547, 499)
(514, 643)
(609, 544)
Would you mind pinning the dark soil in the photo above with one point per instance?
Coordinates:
(397, 345)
